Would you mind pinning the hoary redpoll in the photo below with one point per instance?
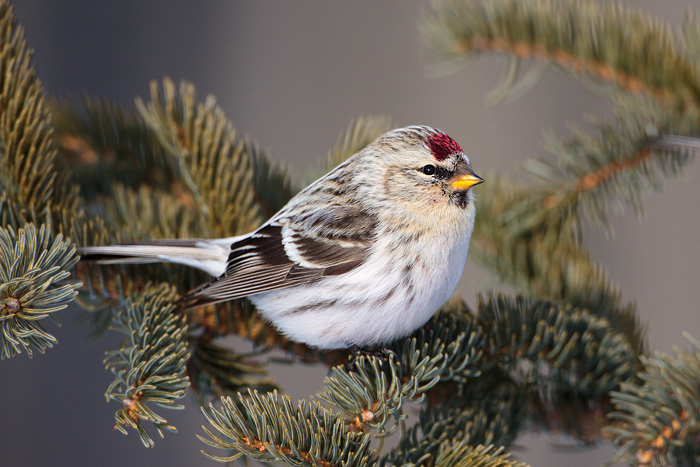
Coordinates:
(364, 255)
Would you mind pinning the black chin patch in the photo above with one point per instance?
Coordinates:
(460, 198)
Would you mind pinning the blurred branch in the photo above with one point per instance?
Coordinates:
(103, 144)
(471, 415)
(658, 418)
(216, 371)
(608, 41)
(547, 261)
(27, 147)
(583, 354)
(212, 162)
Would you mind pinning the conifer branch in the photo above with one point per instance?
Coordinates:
(98, 137)
(600, 174)
(216, 371)
(658, 418)
(477, 413)
(462, 454)
(265, 428)
(27, 147)
(33, 272)
(608, 41)
(32, 189)
(149, 369)
(103, 144)
(448, 348)
(212, 162)
(153, 214)
(583, 354)
(197, 178)
(547, 261)
(538, 226)
(13, 213)
(690, 34)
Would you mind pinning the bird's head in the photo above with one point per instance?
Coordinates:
(423, 169)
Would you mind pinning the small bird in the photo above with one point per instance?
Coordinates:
(364, 255)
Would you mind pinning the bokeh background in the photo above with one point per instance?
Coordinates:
(292, 75)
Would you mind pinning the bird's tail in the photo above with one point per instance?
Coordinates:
(208, 255)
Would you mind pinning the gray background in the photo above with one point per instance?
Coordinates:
(292, 75)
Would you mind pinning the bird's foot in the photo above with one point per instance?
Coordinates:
(378, 352)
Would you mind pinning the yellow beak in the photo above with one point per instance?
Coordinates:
(465, 181)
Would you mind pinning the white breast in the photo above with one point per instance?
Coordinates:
(375, 303)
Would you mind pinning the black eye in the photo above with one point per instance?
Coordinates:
(429, 169)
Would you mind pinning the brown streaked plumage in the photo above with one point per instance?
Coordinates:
(362, 256)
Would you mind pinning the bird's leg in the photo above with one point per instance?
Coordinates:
(378, 352)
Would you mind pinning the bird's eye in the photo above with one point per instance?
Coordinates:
(429, 169)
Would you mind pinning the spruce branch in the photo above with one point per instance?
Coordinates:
(612, 43)
(149, 368)
(27, 146)
(600, 174)
(266, 428)
(448, 348)
(658, 417)
(99, 138)
(32, 188)
(103, 144)
(461, 454)
(197, 178)
(33, 272)
(539, 225)
(145, 213)
(690, 34)
(212, 161)
(582, 353)
(12, 213)
(473, 414)
(216, 371)
(372, 393)
(547, 261)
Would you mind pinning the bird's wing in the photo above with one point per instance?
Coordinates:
(291, 251)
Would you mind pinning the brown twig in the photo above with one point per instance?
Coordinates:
(660, 444)
(602, 70)
(602, 175)
(257, 444)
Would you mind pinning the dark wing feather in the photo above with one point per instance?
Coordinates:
(334, 241)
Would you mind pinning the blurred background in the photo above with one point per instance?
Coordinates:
(292, 75)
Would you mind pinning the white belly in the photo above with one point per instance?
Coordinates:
(372, 304)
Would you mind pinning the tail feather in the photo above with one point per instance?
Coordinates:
(208, 255)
